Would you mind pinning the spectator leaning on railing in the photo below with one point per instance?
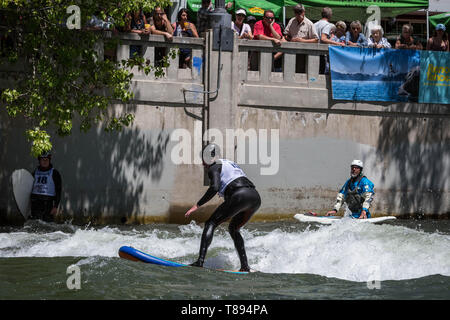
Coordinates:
(323, 28)
(161, 26)
(184, 28)
(339, 34)
(439, 40)
(243, 30)
(376, 39)
(406, 40)
(354, 37)
(300, 28)
(137, 23)
(268, 29)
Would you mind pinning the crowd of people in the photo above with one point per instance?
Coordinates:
(301, 29)
(298, 29)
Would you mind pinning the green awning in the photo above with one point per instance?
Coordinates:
(347, 10)
(254, 7)
(443, 18)
(367, 3)
(194, 5)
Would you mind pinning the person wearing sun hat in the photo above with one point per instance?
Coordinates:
(439, 40)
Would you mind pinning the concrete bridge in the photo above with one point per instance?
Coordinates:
(306, 141)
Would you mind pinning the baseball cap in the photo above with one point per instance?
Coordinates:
(440, 26)
(241, 11)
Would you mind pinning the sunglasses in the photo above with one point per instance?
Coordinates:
(270, 18)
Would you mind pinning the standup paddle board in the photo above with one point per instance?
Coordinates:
(331, 219)
(22, 183)
(133, 254)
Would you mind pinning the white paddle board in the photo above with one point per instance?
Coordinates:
(331, 219)
(22, 183)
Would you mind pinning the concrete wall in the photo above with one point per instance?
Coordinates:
(131, 176)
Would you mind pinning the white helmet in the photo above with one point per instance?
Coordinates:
(358, 163)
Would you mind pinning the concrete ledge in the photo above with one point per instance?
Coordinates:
(157, 93)
(276, 96)
(287, 47)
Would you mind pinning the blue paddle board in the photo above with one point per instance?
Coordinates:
(133, 254)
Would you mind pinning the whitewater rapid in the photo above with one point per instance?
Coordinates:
(343, 250)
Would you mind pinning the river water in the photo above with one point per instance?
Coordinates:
(403, 259)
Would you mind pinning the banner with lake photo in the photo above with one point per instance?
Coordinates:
(367, 74)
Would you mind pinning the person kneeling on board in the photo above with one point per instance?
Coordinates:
(46, 192)
(357, 193)
(241, 202)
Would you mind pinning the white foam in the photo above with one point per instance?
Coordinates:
(343, 250)
(353, 251)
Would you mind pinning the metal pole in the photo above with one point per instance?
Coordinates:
(428, 27)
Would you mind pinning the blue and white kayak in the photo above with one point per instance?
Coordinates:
(332, 219)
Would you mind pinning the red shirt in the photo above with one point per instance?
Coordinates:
(260, 28)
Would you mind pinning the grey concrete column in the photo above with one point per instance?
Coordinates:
(223, 103)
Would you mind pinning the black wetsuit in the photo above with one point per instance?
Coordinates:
(241, 202)
(41, 205)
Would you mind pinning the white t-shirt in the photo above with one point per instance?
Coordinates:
(245, 28)
(322, 26)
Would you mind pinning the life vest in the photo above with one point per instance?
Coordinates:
(43, 183)
(354, 199)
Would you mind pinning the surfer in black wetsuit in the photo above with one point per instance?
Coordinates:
(241, 202)
(46, 192)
